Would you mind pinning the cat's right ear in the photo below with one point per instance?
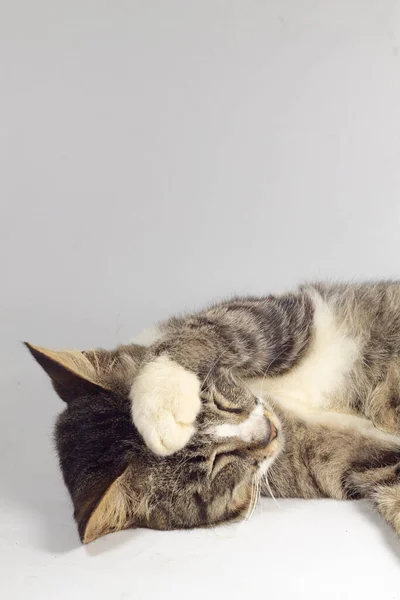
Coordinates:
(71, 372)
(114, 510)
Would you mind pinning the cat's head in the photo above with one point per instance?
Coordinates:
(116, 482)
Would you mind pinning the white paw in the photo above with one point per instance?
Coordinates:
(165, 403)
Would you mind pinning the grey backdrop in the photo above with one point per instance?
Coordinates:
(156, 155)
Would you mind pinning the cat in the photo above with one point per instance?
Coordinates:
(296, 395)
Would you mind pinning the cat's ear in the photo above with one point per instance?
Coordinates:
(71, 371)
(74, 373)
(113, 512)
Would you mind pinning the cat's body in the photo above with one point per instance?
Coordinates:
(326, 362)
(326, 347)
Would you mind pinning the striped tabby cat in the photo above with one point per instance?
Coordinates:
(295, 395)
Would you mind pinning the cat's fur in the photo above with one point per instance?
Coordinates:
(174, 435)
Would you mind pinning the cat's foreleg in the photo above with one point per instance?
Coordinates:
(247, 337)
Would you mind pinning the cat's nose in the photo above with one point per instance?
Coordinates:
(273, 432)
(255, 433)
(270, 432)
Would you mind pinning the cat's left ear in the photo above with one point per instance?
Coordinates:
(71, 372)
(75, 373)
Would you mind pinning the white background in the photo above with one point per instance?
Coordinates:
(156, 155)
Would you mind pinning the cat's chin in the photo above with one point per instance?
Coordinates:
(265, 465)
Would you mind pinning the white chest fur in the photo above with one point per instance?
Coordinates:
(322, 372)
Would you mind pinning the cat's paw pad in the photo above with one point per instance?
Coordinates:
(165, 403)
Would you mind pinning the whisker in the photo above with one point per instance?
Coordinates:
(267, 368)
(254, 497)
(214, 364)
(228, 369)
(248, 512)
(224, 351)
(269, 490)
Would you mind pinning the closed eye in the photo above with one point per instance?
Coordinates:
(221, 460)
(229, 409)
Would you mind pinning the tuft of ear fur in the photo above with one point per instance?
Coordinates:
(70, 371)
(113, 513)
